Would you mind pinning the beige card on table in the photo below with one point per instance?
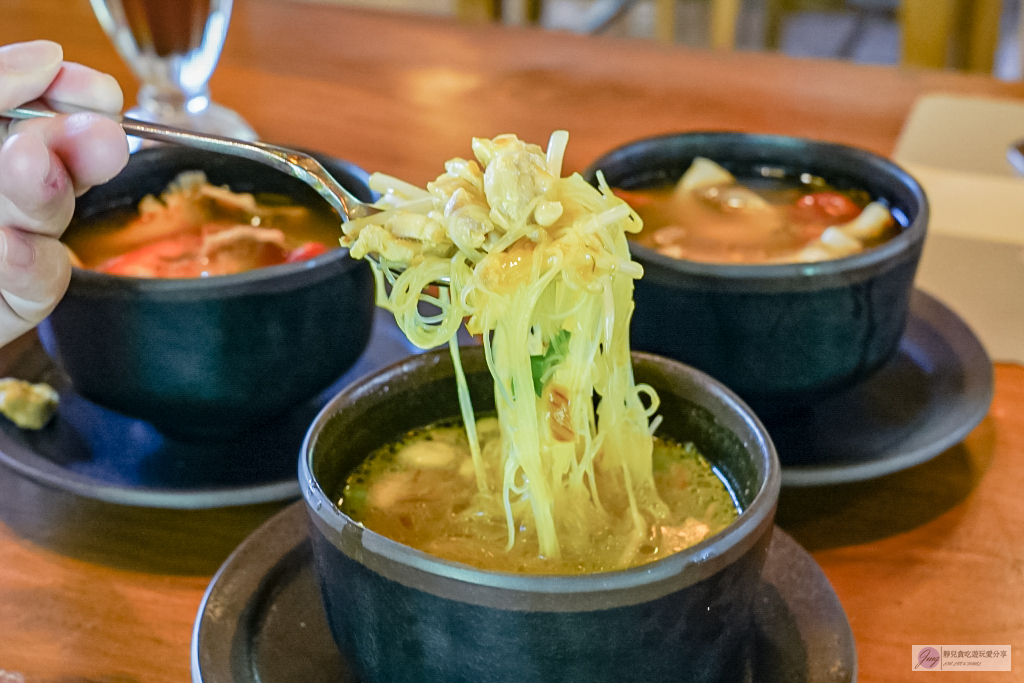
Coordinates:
(974, 255)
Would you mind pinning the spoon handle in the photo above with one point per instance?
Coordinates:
(1015, 155)
(294, 163)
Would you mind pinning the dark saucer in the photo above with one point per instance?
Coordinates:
(261, 618)
(925, 400)
(97, 453)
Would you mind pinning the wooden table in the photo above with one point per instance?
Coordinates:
(95, 592)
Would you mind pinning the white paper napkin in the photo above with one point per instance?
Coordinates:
(974, 254)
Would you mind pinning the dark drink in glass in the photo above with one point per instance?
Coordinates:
(172, 46)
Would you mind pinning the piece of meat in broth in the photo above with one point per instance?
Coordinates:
(238, 248)
(169, 258)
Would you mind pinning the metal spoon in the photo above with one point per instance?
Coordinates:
(297, 164)
(294, 163)
(1015, 154)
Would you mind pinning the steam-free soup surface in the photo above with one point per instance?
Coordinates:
(711, 217)
(195, 229)
(422, 492)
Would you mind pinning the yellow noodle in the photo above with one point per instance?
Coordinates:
(539, 266)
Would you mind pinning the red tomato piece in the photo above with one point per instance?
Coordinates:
(174, 257)
(306, 251)
(830, 207)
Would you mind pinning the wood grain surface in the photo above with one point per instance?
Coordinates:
(95, 592)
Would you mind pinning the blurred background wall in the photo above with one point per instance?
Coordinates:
(866, 31)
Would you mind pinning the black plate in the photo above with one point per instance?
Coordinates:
(925, 400)
(261, 619)
(97, 453)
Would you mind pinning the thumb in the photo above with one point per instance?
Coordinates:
(26, 71)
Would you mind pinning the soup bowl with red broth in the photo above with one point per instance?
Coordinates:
(787, 307)
(216, 307)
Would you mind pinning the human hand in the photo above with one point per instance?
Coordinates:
(44, 165)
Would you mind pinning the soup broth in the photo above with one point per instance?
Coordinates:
(197, 230)
(708, 216)
(422, 492)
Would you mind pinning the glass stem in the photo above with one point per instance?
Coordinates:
(169, 103)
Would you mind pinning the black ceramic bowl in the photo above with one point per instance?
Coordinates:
(208, 357)
(402, 615)
(786, 334)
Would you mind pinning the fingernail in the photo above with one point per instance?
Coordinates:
(28, 57)
(17, 252)
(107, 92)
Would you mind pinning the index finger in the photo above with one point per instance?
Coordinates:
(27, 70)
(84, 87)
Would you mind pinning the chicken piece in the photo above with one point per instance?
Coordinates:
(461, 174)
(156, 221)
(485, 150)
(515, 174)
(237, 201)
(465, 206)
(416, 226)
(839, 243)
(427, 454)
(467, 170)
(30, 406)
(373, 239)
(870, 224)
(187, 183)
(487, 428)
(225, 238)
(244, 205)
(703, 174)
(182, 196)
(467, 470)
(191, 192)
(691, 532)
(469, 222)
(391, 489)
(218, 251)
(812, 253)
(729, 198)
(239, 248)
(586, 261)
(181, 208)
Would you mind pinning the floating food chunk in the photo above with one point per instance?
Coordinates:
(30, 406)
(195, 229)
(427, 454)
(709, 216)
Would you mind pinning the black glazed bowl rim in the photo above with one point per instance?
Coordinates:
(297, 274)
(696, 562)
(833, 270)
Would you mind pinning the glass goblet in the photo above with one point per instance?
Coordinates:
(172, 46)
